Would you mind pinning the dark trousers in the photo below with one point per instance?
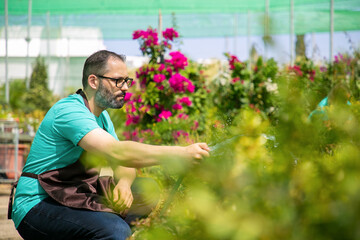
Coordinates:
(50, 220)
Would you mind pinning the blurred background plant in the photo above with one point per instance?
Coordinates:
(29, 106)
(272, 174)
(246, 87)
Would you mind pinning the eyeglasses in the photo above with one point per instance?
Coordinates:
(119, 82)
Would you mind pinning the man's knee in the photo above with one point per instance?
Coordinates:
(146, 190)
(114, 228)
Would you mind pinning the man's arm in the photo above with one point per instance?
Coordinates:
(122, 192)
(137, 155)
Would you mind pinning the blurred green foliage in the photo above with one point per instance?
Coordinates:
(273, 173)
(270, 176)
(246, 87)
(28, 106)
(38, 96)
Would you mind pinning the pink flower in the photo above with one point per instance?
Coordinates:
(182, 116)
(134, 135)
(233, 59)
(177, 106)
(142, 71)
(160, 87)
(178, 60)
(157, 106)
(131, 135)
(138, 33)
(170, 33)
(144, 108)
(161, 67)
(181, 133)
(127, 96)
(169, 70)
(297, 70)
(127, 135)
(159, 78)
(147, 131)
(130, 119)
(190, 87)
(312, 75)
(196, 125)
(234, 80)
(149, 37)
(185, 100)
(165, 114)
(167, 45)
(130, 106)
(178, 83)
(133, 83)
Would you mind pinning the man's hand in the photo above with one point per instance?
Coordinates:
(123, 197)
(198, 151)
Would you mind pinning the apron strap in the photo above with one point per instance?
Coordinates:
(81, 92)
(14, 185)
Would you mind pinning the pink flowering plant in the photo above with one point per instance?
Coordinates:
(243, 87)
(344, 68)
(150, 44)
(168, 102)
(318, 80)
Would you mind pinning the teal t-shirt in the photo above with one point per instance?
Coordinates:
(55, 146)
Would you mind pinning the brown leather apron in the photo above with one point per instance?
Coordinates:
(75, 186)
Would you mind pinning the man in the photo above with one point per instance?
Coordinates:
(68, 129)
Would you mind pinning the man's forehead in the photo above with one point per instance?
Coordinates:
(116, 68)
(115, 60)
(116, 63)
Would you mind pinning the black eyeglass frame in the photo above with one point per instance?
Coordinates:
(121, 80)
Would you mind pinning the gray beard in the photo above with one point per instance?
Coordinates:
(105, 99)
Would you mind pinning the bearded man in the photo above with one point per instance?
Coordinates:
(54, 199)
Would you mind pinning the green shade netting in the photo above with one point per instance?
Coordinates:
(117, 19)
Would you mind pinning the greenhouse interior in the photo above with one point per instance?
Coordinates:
(267, 92)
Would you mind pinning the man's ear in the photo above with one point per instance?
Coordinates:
(93, 81)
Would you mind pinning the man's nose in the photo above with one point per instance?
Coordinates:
(125, 87)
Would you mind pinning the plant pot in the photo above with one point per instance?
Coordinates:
(7, 159)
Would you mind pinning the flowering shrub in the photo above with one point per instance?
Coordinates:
(170, 98)
(246, 87)
(345, 68)
(258, 87)
(287, 185)
(317, 81)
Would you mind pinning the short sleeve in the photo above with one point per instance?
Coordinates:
(108, 124)
(73, 121)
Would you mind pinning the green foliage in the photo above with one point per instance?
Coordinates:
(246, 87)
(28, 106)
(286, 179)
(38, 96)
(17, 90)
